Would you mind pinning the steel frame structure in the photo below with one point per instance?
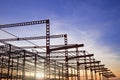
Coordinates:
(57, 62)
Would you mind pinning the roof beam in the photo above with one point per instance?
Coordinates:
(101, 69)
(67, 47)
(95, 66)
(81, 56)
(27, 47)
(90, 62)
(32, 38)
(24, 23)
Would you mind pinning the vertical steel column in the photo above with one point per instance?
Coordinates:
(99, 76)
(91, 71)
(9, 57)
(62, 72)
(95, 75)
(12, 68)
(83, 74)
(71, 74)
(55, 70)
(99, 72)
(44, 69)
(5, 59)
(23, 70)
(86, 75)
(66, 58)
(35, 66)
(75, 74)
(47, 49)
(77, 60)
(59, 74)
(95, 72)
(17, 67)
(1, 69)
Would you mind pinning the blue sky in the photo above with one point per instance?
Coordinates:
(102, 15)
(96, 23)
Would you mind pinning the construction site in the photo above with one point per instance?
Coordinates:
(25, 58)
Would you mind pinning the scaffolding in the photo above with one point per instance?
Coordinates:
(57, 62)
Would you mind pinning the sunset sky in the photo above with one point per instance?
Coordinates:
(96, 23)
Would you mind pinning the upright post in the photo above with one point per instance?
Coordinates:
(23, 70)
(9, 57)
(55, 70)
(59, 74)
(66, 58)
(86, 75)
(99, 72)
(47, 50)
(17, 67)
(71, 73)
(12, 68)
(91, 71)
(62, 72)
(99, 76)
(35, 66)
(1, 69)
(77, 60)
(44, 69)
(95, 75)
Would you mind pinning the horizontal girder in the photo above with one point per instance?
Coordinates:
(28, 47)
(89, 62)
(67, 47)
(81, 56)
(24, 23)
(101, 69)
(95, 66)
(32, 38)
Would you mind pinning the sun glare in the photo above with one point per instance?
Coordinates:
(40, 75)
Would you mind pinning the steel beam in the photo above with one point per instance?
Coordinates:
(67, 47)
(22, 63)
(102, 69)
(24, 24)
(27, 47)
(90, 62)
(96, 66)
(81, 56)
(32, 38)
